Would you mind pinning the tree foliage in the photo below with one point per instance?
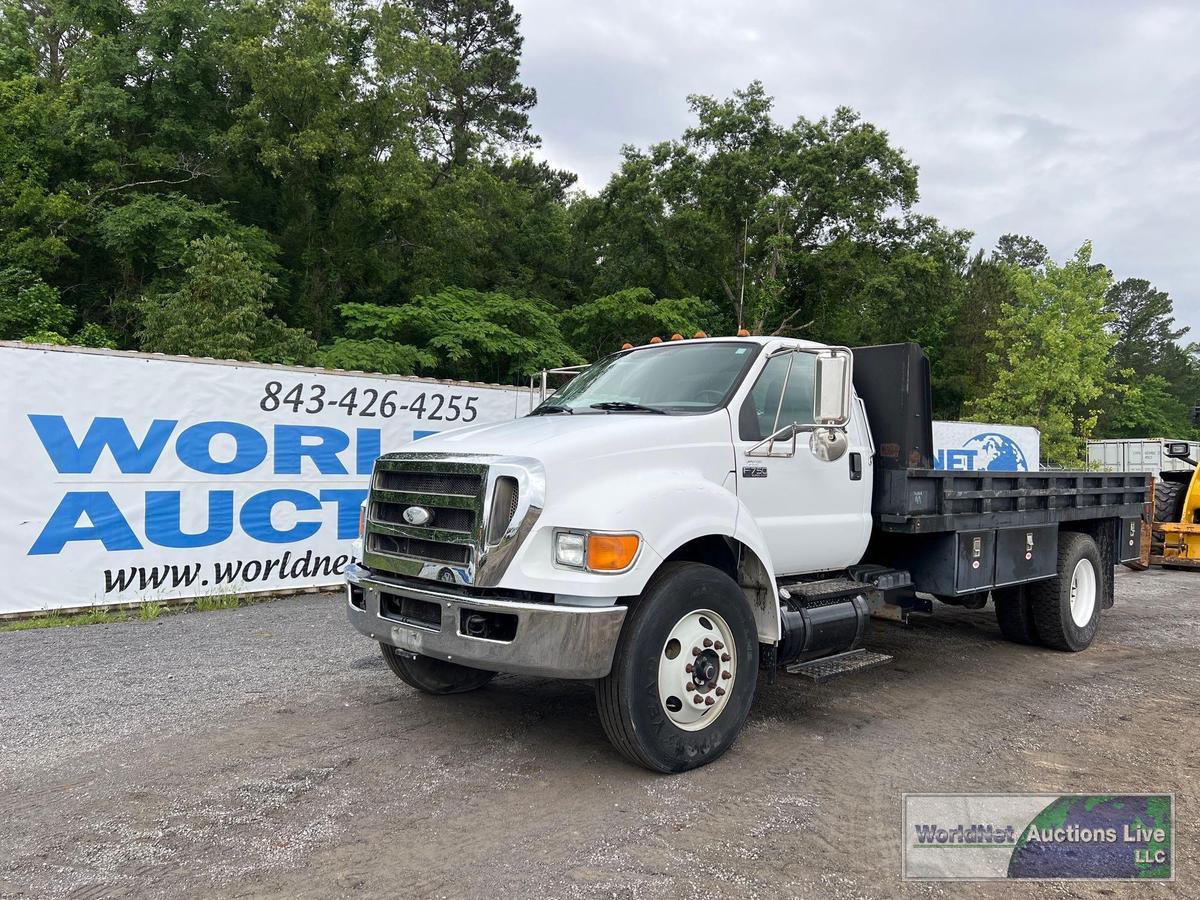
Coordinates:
(1051, 357)
(350, 182)
(219, 310)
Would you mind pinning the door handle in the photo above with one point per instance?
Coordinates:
(856, 467)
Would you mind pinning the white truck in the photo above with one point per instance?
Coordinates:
(685, 514)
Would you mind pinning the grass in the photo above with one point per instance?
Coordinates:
(218, 601)
(57, 620)
(145, 612)
(148, 612)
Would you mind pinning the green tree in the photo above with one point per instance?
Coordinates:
(472, 335)
(807, 225)
(477, 101)
(1020, 250)
(29, 306)
(1154, 380)
(601, 326)
(1051, 356)
(1143, 324)
(220, 310)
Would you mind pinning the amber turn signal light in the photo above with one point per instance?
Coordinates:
(611, 552)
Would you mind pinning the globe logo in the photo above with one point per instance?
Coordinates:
(996, 453)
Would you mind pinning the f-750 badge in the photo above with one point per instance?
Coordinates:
(754, 471)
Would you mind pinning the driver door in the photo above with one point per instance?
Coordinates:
(814, 514)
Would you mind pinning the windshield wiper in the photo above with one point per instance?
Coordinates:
(624, 406)
(550, 408)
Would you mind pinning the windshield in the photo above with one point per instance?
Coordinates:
(683, 378)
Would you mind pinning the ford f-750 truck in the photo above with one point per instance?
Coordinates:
(684, 514)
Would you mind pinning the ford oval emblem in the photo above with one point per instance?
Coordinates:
(418, 515)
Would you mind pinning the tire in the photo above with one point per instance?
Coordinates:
(1056, 623)
(434, 676)
(1014, 614)
(1168, 501)
(640, 721)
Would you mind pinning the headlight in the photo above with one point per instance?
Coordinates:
(570, 549)
(596, 552)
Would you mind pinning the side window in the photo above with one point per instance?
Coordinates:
(757, 416)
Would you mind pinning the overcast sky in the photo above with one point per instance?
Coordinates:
(1067, 121)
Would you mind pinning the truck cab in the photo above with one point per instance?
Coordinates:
(674, 517)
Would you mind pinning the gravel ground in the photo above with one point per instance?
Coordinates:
(267, 751)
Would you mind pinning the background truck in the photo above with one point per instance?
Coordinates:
(683, 515)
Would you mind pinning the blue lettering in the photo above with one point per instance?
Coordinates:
(192, 448)
(290, 449)
(164, 526)
(256, 516)
(960, 460)
(939, 459)
(348, 501)
(107, 526)
(72, 458)
(370, 442)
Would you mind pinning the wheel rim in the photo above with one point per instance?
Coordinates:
(1083, 592)
(697, 668)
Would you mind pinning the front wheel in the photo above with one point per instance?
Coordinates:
(434, 676)
(684, 671)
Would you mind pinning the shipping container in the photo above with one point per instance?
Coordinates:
(1137, 455)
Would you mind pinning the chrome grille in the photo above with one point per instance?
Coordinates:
(416, 548)
(419, 482)
(449, 545)
(444, 518)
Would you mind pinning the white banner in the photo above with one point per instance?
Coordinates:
(133, 478)
(978, 447)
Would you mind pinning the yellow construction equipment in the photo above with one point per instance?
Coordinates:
(1175, 535)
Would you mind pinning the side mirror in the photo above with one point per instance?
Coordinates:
(831, 400)
(1177, 450)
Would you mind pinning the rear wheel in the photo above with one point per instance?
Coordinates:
(1168, 507)
(434, 676)
(1066, 608)
(684, 671)
(1168, 501)
(1014, 614)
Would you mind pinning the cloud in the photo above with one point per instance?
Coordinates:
(1068, 121)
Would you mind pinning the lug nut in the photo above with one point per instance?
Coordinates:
(718, 646)
(689, 687)
(720, 692)
(725, 657)
(698, 699)
(709, 701)
(708, 642)
(726, 675)
(688, 667)
(695, 651)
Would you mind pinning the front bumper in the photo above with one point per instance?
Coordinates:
(550, 640)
